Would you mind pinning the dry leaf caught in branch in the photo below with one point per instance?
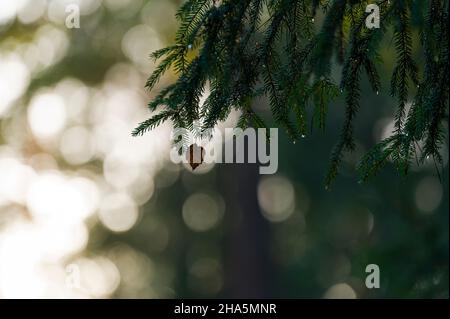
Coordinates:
(195, 155)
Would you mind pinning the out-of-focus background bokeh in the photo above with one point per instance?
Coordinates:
(87, 211)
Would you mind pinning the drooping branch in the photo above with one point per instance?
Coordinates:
(274, 48)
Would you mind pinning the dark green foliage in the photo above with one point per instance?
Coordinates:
(251, 48)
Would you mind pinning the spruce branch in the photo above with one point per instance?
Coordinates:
(240, 50)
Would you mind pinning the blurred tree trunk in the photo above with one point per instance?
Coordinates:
(247, 259)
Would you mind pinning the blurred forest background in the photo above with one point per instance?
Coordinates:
(87, 211)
